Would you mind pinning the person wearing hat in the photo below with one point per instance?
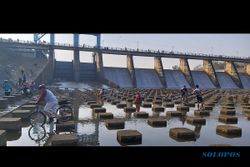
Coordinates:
(7, 88)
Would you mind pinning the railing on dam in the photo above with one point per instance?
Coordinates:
(123, 51)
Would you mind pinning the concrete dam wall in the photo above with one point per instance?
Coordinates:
(147, 78)
(226, 81)
(201, 78)
(64, 70)
(175, 79)
(119, 76)
(245, 80)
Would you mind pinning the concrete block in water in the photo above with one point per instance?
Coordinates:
(24, 114)
(157, 102)
(167, 100)
(182, 134)
(115, 124)
(99, 110)
(227, 108)
(247, 111)
(174, 113)
(140, 115)
(91, 102)
(3, 103)
(95, 106)
(129, 109)
(208, 108)
(158, 98)
(32, 102)
(18, 96)
(177, 102)
(201, 112)
(121, 105)
(3, 138)
(66, 126)
(28, 107)
(129, 136)
(157, 122)
(182, 108)
(146, 105)
(158, 109)
(13, 135)
(114, 102)
(64, 140)
(10, 123)
(149, 100)
(11, 99)
(228, 104)
(196, 120)
(190, 104)
(228, 130)
(168, 105)
(227, 112)
(228, 119)
(246, 107)
(130, 100)
(107, 115)
(209, 104)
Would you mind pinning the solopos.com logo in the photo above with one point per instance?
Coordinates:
(220, 154)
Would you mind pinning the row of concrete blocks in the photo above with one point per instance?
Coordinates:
(178, 134)
(5, 100)
(14, 123)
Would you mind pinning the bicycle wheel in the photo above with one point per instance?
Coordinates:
(37, 118)
(37, 133)
(65, 113)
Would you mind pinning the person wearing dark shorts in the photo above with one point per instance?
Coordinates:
(198, 95)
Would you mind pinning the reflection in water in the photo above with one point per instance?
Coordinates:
(183, 118)
(197, 131)
(37, 133)
(128, 115)
(92, 138)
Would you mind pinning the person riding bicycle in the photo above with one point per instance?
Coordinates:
(184, 94)
(50, 99)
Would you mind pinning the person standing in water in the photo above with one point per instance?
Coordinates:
(199, 98)
(138, 101)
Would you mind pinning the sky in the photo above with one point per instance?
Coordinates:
(220, 44)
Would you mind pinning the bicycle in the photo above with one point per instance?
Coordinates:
(64, 112)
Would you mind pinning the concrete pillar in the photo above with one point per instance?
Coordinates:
(99, 65)
(232, 71)
(159, 69)
(247, 68)
(209, 70)
(51, 63)
(131, 69)
(76, 65)
(184, 68)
